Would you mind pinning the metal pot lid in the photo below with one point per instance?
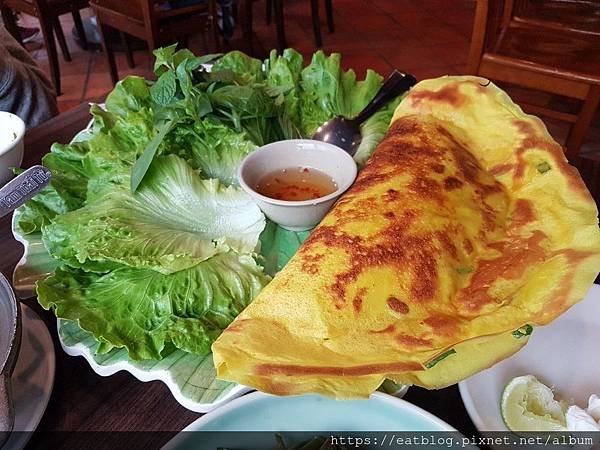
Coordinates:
(9, 327)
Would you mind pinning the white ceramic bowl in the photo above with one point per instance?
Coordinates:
(297, 215)
(12, 129)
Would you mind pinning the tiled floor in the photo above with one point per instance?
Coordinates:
(86, 77)
(428, 38)
(416, 36)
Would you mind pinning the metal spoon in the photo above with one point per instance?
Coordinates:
(344, 132)
(10, 341)
(23, 187)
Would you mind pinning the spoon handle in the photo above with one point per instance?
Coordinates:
(396, 84)
(22, 188)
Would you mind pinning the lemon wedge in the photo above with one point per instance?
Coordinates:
(529, 405)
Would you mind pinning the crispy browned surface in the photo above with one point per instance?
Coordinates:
(466, 224)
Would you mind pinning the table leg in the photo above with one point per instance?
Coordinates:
(314, 7)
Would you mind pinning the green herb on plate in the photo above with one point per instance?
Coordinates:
(525, 330)
(156, 245)
(433, 361)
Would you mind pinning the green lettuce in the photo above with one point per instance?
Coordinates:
(215, 149)
(373, 131)
(323, 90)
(143, 310)
(284, 70)
(98, 160)
(328, 91)
(250, 108)
(283, 75)
(40, 211)
(174, 221)
(240, 64)
(130, 95)
(154, 239)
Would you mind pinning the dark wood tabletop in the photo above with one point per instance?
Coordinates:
(83, 401)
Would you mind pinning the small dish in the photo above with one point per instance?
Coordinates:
(563, 355)
(302, 153)
(12, 129)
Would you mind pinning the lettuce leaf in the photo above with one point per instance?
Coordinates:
(98, 160)
(240, 64)
(171, 264)
(40, 211)
(215, 149)
(283, 75)
(328, 91)
(143, 310)
(373, 131)
(174, 221)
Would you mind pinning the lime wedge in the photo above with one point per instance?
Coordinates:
(529, 405)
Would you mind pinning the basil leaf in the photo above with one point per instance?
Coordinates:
(181, 56)
(143, 162)
(203, 105)
(163, 91)
(164, 57)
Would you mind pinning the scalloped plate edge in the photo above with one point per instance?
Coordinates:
(152, 375)
(108, 370)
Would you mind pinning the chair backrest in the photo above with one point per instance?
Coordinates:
(491, 17)
(136, 17)
(575, 15)
(130, 8)
(142, 19)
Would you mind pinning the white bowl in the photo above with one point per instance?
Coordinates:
(12, 129)
(297, 215)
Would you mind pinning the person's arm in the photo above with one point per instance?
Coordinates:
(24, 88)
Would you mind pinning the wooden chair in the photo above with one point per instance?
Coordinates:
(543, 53)
(47, 12)
(141, 18)
(577, 15)
(276, 7)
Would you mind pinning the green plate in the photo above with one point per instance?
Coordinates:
(191, 378)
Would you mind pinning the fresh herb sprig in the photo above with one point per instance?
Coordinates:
(177, 100)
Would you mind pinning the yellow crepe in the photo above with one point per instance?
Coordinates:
(466, 225)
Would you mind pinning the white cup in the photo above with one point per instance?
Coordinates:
(297, 215)
(12, 130)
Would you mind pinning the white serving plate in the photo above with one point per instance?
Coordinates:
(190, 378)
(564, 354)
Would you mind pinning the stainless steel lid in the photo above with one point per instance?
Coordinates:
(9, 325)
(13, 194)
(10, 340)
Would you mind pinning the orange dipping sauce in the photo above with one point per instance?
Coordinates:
(296, 184)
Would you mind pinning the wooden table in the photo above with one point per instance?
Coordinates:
(83, 401)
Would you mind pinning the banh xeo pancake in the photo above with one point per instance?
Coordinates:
(466, 228)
